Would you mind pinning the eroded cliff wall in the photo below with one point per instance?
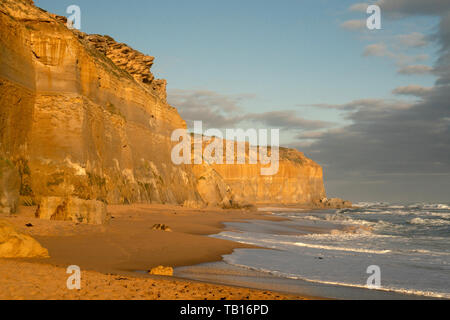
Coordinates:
(77, 124)
(82, 115)
(298, 180)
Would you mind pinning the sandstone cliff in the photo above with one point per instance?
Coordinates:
(75, 123)
(298, 180)
(82, 116)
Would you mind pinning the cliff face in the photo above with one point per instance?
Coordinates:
(77, 124)
(83, 116)
(299, 180)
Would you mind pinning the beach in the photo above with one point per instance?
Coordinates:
(114, 258)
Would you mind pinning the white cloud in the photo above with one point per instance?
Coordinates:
(359, 7)
(413, 90)
(415, 69)
(381, 50)
(354, 24)
(414, 40)
(377, 50)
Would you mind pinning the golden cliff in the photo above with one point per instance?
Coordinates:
(82, 116)
(298, 180)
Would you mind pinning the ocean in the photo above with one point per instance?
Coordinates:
(410, 244)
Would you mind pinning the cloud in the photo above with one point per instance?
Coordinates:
(354, 25)
(288, 120)
(415, 7)
(368, 104)
(413, 40)
(403, 145)
(214, 109)
(221, 111)
(415, 69)
(413, 90)
(381, 50)
(377, 50)
(359, 7)
(310, 135)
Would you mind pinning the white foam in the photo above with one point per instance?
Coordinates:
(423, 293)
(433, 222)
(348, 249)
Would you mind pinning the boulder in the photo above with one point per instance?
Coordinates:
(335, 203)
(14, 244)
(9, 187)
(73, 209)
(162, 271)
(161, 227)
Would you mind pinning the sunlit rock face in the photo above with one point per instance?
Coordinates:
(77, 123)
(82, 116)
(298, 180)
(14, 244)
(73, 209)
(295, 179)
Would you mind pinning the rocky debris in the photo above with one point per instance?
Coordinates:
(162, 271)
(161, 227)
(212, 188)
(132, 61)
(73, 209)
(126, 58)
(14, 244)
(191, 204)
(335, 203)
(9, 187)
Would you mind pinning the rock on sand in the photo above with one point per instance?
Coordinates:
(17, 245)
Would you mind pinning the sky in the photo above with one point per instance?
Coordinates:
(371, 106)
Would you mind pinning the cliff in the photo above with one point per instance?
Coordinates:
(82, 116)
(298, 180)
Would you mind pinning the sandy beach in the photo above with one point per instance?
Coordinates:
(114, 258)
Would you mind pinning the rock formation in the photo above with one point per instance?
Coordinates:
(82, 117)
(76, 124)
(335, 203)
(162, 271)
(14, 244)
(9, 187)
(299, 180)
(73, 209)
(161, 227)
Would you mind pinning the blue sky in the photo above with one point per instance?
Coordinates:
(284, 53)
(283, 56)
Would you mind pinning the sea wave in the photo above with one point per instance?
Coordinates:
(423, 293)
(334, 248)
(337, 217)
(432, 222)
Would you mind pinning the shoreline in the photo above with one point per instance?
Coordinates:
(127, 245)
